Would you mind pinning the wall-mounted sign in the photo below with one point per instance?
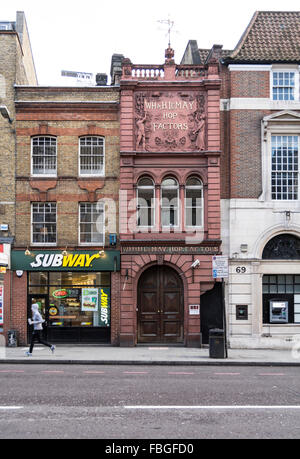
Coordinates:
(194, 309)
(47, 260)
(220, 266)
(170, 121)
(1, 304)
(4, 255)
(200, 250)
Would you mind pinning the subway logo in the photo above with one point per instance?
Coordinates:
(51, 260)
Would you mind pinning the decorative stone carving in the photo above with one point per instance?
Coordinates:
(170, 121)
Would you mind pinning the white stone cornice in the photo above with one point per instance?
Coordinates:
(249, 68)
(256, 103)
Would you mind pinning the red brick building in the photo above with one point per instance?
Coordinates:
(169, 200)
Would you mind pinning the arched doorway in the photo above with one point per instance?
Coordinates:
(160, 306)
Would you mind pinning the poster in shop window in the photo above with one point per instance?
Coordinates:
(89, 299)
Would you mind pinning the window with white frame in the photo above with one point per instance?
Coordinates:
(145, 202)
(283, 86)
(285, 167)
(43, 155)
(194, 202)
(91, 223)
(91, 156)
(43, 223)
(169, 202)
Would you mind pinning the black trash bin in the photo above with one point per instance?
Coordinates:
(217, 348)
(12, 338)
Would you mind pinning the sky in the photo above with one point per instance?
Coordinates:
(82, 35)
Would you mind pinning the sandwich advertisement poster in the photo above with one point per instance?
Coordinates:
(89, 299)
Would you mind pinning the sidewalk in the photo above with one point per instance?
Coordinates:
(146, 355)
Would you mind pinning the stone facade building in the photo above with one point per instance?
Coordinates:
(260, 131)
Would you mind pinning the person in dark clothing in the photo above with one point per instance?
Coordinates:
(37, 322)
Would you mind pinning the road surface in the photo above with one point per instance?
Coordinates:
(147, 402)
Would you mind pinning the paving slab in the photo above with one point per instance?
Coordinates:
(148, 355)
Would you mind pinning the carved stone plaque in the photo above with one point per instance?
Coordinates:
(170, 121)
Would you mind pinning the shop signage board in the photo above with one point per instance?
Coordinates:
(4, 256)
(219, 266)
(184, 250)
(1, 304)
(51, 260)
(104, 304)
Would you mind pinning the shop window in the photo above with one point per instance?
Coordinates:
(43, 223)
(73, 299)
(91, 225)
(194, 202)
(38, 290)
(169, 202)
(43, 156)
(145, 202)
(91, 156)
(38, 278)
(281, 298)
(72, 278)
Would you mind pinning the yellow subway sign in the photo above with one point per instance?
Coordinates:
(104, 316)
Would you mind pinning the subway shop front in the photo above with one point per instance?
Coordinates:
(73, 290)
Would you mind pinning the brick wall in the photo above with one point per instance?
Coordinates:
(67, 124)
(15, 311)
(245, 153)
(250, 84)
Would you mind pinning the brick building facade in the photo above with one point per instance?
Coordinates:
(16, 67)
(67, 183)
(170, 200)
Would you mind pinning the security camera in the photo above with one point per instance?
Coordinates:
(195, 264)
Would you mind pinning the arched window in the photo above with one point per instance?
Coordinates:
(145, 202)
(169, 202)
(43, 155)
(194, 202)
(282, 247)
(91, 156)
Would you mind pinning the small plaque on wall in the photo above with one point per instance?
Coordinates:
(194, 309)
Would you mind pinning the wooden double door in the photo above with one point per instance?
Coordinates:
(160, 306)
